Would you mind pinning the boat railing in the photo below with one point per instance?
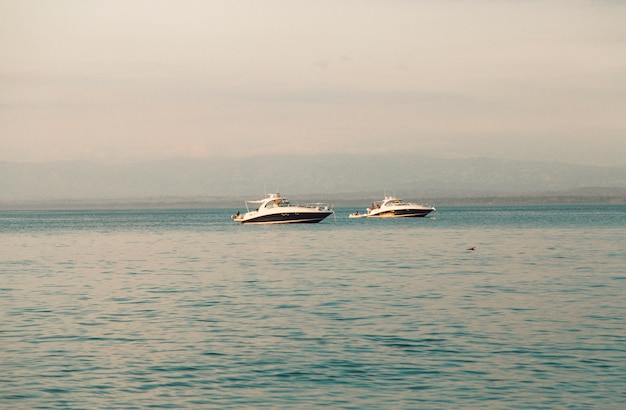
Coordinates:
(320, 206)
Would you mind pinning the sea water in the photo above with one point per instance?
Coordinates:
(187, 309)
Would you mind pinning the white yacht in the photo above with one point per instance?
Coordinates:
(278, 210)
(392, 207)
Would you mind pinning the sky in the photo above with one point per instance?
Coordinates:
(134, 80)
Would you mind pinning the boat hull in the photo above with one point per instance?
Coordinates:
(284, 218)
(402, 213)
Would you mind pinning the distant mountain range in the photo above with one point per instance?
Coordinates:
(339, 177)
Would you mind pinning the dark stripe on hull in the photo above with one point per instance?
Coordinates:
(404, 213)
(302, 217)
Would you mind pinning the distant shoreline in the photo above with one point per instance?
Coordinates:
(221, 203)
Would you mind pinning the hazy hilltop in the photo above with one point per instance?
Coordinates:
(335, 176)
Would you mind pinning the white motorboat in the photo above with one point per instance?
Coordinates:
(278, 210)
(392, 207)
(357, 214)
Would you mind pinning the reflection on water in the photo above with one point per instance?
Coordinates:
(186, 309)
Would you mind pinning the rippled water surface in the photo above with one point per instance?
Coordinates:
(186, 309)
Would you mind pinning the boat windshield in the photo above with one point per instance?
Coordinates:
(277, 203)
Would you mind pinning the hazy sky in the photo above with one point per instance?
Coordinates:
(109, 80)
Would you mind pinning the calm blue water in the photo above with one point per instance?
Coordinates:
(186, 309)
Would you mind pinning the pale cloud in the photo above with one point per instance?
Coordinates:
(151, 79)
